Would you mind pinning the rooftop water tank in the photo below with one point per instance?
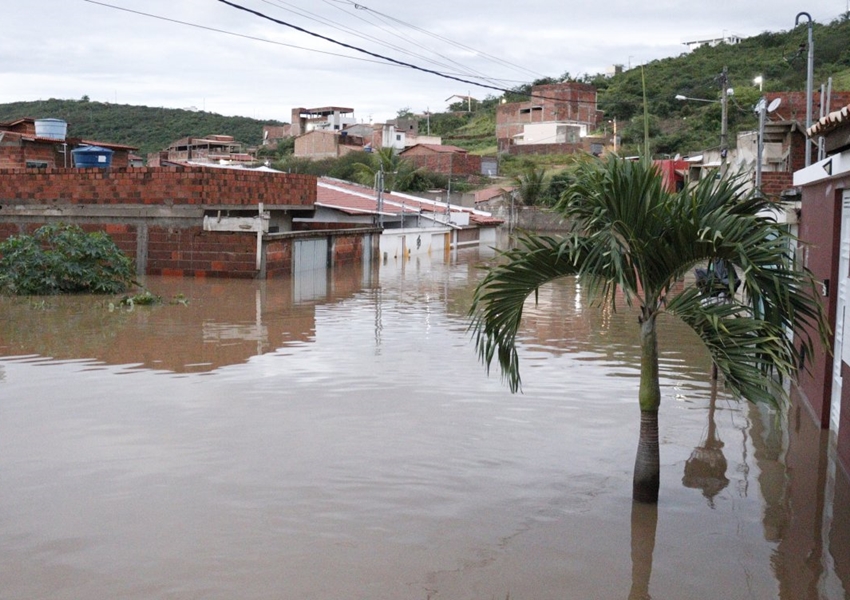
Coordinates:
(92, 156)
(54, 129)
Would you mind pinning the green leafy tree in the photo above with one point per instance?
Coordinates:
(63, 259)
(631, 236)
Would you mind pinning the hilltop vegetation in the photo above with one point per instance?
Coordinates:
(780, 58)
(148, 128)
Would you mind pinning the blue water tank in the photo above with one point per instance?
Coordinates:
(92, 156)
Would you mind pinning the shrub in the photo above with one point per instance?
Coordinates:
(63, 259)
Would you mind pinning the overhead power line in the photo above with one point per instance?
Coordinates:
(386, 58)
(264, 40)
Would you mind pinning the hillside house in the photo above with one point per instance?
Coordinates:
(553, 110)
(23, 145)
(327, 118)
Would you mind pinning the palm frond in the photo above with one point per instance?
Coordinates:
(499, 299)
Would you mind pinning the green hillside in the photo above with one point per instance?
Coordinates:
(150, 129)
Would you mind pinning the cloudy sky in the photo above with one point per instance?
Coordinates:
(212, 56)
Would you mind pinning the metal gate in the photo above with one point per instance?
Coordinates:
(310, 269)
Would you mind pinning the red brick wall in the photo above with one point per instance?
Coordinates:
(347, 248)
(152, 185)
(560, 102)
(443, 162)
(14, 155)
(793, 105)
(317, 144)
(773, 183)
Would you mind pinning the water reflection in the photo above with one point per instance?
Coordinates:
(706, 467)
(344, 426)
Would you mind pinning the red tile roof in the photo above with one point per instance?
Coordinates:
(357, 199)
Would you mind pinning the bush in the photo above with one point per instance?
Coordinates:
(63, 259)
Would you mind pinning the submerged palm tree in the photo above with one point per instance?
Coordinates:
(632, 235)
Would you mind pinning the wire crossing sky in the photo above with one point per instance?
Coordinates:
(376, 58)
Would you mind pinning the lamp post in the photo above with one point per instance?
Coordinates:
(809, 78)
(724, 100)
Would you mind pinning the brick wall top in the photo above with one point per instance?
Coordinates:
(156, 185)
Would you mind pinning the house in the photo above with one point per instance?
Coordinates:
(274, 134)
(29, 143)
(410, 224)
(550, 117)
(320, 143)
(784, 145)
(328, 118)
(208, 149)
(448, 160)
(824, 232)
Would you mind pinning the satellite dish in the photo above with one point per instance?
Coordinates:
(774, 104)
(759, 105)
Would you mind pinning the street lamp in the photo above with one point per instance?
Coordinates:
(809, 76)
(759, 81)
(724, 96)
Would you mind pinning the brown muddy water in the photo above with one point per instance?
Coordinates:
(333, 436)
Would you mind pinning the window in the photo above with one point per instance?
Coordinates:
(37, 164)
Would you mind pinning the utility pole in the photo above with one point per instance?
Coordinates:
(724, 133)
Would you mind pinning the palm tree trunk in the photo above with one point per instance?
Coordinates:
(647, 476)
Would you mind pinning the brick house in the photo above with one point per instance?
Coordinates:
(560, 104)
(23, 146)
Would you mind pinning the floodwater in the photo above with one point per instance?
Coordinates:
(333, 436)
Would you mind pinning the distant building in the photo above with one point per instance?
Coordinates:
(551, 108)
(724, 39)
(319, 143)
(273, 134)
(212, 149)
(327, 118)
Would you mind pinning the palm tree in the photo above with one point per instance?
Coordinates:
(630, 234)
(399, 173)
(530, 185)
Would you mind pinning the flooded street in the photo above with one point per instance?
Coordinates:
(333, 436)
